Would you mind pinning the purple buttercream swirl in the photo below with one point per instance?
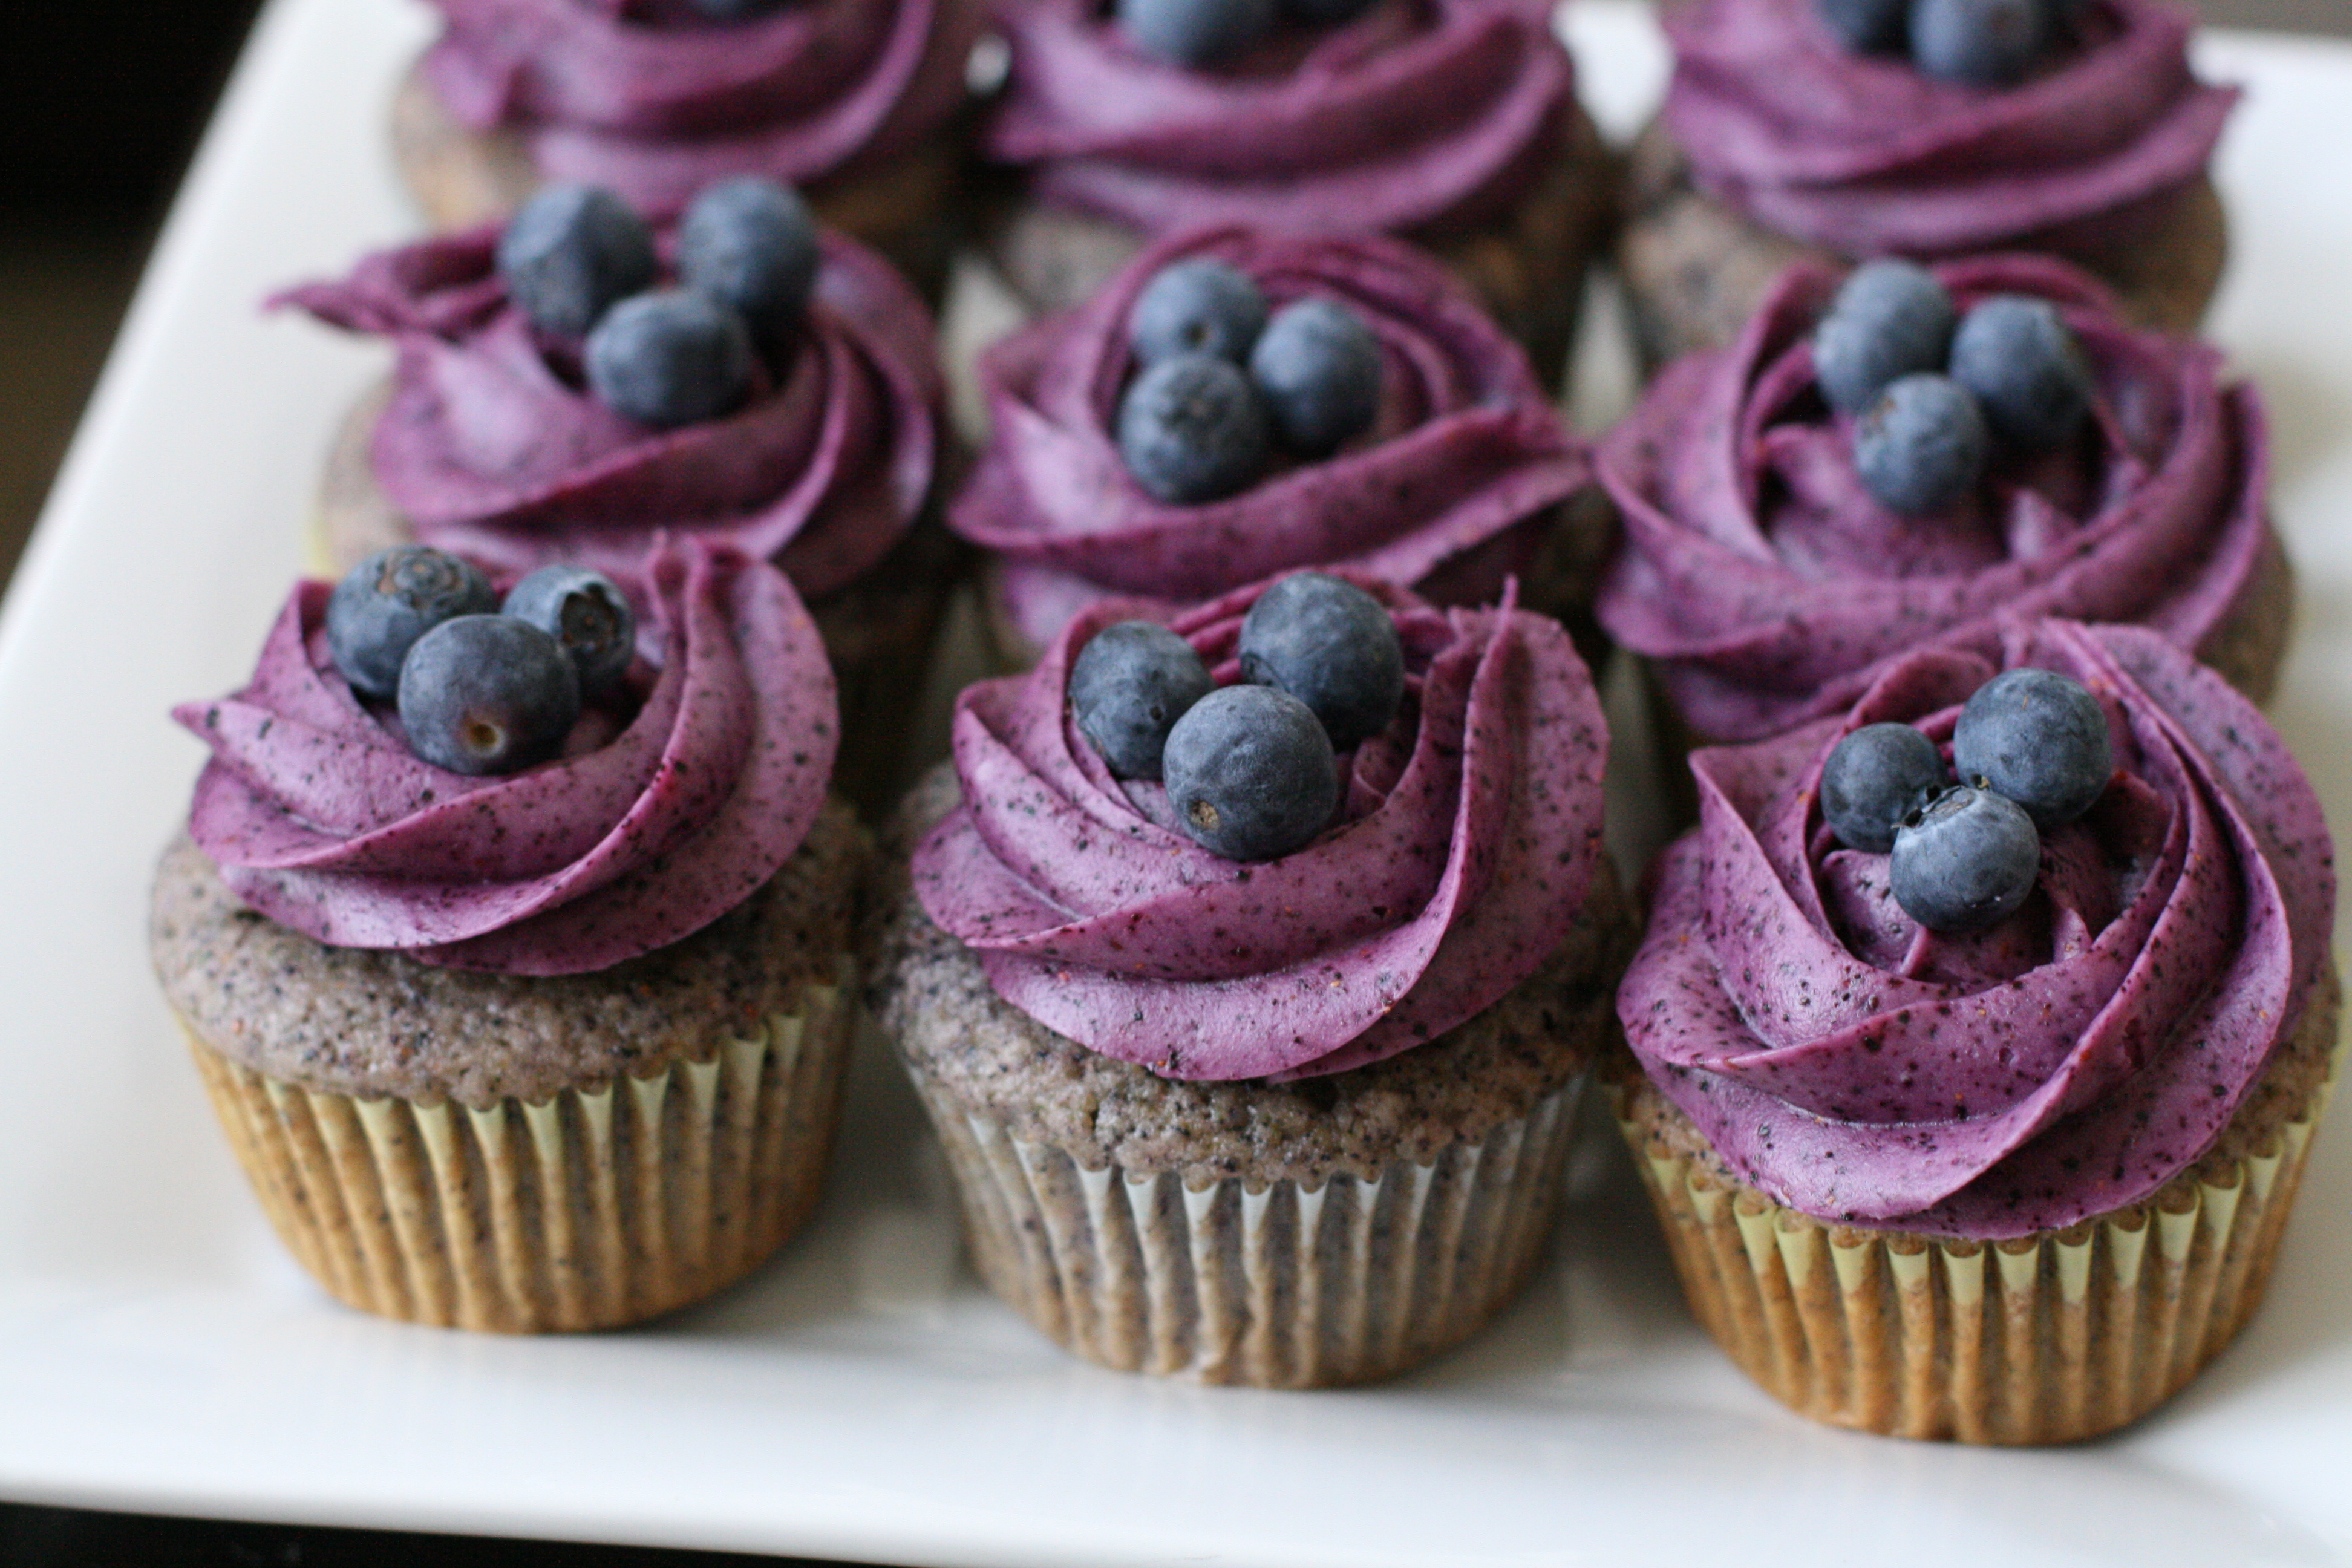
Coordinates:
(1767, 586)
(490, 450)
(1466, 839)
(646, 828)
(2065, 1063)
(644, 97)
(1419, 113)
(1867, 155)
(1466, 453)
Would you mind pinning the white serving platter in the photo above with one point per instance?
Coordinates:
(864, 1397)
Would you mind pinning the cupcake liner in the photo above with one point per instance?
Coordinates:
(1275, 1284)
(2044, 1338)
(590, 1210)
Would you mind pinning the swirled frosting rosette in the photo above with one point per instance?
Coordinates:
(1767, 587)
(2068, 1062)
(650, 824)
(491, 446)
(1457, 484)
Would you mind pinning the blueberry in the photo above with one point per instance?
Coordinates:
(2025, 367)
(1875, 777)
(1317, 368)
(1191, 429)
(1130, 684)
(1194, 32)
(1251, 773)
(1197, 306)
(1978, 43)
(588, 617)
(388, 601)
(1324, 12)
(735, 10)
(750, 243)
(570, 253)
(1964, 860)
(1868, 26)
(670, 358)
(1922, 445)
(1890, 320)
(1330, 645)
(2038, 737)
(487, 694)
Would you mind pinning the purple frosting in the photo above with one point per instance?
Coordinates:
(1418, 113)
(1452, 488)
(1767, 586)
(1461, 853)
(647, 97)
(491, 446)
(1866, 155)
(2065, 1063)
(649, 826)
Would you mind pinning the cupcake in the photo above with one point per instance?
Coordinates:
(493, 440)
(1290, 1121)
(1768, 585)
(656, 99)
(1461, 473)
(551, 1048)
(2013, 1184)
(1784, 139)
(1453, 124)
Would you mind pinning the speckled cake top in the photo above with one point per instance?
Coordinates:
(649, 826)
(1466, 835)
(647, 97)
(493, 446)
(1418, 112)
(1866, 155)
(1767, 587)
(2065, 1062)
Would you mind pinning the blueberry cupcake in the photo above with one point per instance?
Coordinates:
(521, 992)
(1248, 966)
(1974, 1109)
(1839, 129)
(571, 383)
(1366, 412)
(1453, 124)
(858, 101)
(1904, 459)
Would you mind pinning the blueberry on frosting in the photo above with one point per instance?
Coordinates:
(2016, 354)
(1330, 645)
(1978, 43)
(670, 358)
(1196, 306)
(1194, 32)
(1874, 778)
(1129, 686)
(570, 253)
(388, 600)
(586, 615)
(1922, 445)
(1891, 319)
(2039, 738)
(1251, 774)
(1964, 861)
(751, 245)
(1317, 368)
(1869, 27)
(1191, 429)
(487, 694)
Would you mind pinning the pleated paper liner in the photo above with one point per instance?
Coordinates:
(592, 1210)
(2044, 1338)
(1278, 1285)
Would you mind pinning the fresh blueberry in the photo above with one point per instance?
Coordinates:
(1330, 645)
(670, 358)
(1977, 43)
(2018, 356)
(1196, 306)
(487, 694)
(2038, 737)
(570, 253)
(1869, 27)
(1130, 683)
(1875, 777)
(1324, 12)
(1891, 319)
(1318, 367)
(587, 615)
(735, 10)
(388, 601)
(1922, 445)
(1964, 860)
(750, 243)
(1194, 32)
(1251, 774)
(1191, 429)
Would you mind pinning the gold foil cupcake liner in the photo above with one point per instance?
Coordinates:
(1278, 1285)
(2044, 1338)
(593, 1209)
